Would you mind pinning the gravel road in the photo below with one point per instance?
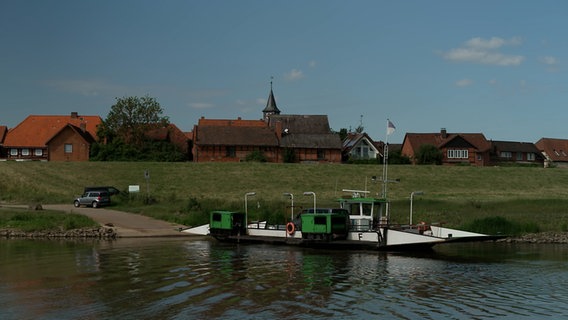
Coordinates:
(127, 225)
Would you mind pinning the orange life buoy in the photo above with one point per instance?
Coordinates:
(290, 228)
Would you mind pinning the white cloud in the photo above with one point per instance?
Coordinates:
(484, 51)
(200, 105)
(492, 43)
(548, 60)
(294, 74)
(493, 82)
(312, 64)
(464, 82)
(260, 101)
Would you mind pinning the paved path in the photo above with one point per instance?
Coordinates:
(127, 225)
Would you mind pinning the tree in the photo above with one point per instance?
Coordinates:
(429, 154)
(130, 118)
(396, 157)
(124, 134)
(342, 133)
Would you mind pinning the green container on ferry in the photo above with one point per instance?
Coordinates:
(325, 221)
(226, 220)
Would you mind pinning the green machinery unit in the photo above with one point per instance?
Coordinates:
(227, 223)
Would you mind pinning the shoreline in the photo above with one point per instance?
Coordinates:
(539, 238)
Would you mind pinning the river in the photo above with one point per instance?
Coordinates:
(198, 278)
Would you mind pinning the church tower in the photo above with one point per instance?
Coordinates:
(271, 107)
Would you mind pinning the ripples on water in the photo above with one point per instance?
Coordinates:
(202, 279)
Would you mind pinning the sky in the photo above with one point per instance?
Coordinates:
(492, 67)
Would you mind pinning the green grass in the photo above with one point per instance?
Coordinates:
(42, 220)
(186, 192)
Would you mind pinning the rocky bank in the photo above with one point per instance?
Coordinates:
(541, 237)
(103, 232)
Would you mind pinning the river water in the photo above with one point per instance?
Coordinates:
(198, 278)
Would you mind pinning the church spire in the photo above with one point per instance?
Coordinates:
(271, 107)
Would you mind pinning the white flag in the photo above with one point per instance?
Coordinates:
(390, 128)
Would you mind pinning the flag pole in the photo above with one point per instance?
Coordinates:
(390, 130)
(385, 162)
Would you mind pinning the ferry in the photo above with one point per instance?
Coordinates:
(359, 222)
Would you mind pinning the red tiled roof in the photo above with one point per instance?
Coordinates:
(239, 135)
(555, 149)
(477, 140)
(36, 130)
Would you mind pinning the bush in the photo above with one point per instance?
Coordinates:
(257, 156)
(500, 225)
(429, 154)
(289, 155)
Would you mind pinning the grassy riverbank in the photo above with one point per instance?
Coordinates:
(535, 199)
(26, 220)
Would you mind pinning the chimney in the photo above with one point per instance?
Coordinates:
(83, 126)
(278, 129)
(443, 133)
(74, 115)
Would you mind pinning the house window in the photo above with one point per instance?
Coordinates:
(506, 154)
(13, 152)
(68, 148)
(230, 152)
(365, 152)
(38, 152)
(458, 154)
(321, 154)
(519, 156)
(531, 156)
(25, 152)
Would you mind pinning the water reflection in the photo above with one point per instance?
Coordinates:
(199, 278)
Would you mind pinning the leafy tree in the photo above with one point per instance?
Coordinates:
(428, 154)
(396, 157)
(131, 117)
(123, 135)
(342, 134)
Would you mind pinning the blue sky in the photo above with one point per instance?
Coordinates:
(495, 67)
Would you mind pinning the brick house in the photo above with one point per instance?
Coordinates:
(309, 137)
(554, 151)
(456, 148)
(51, 138)
(172, 134)
(507, 152)
(232, 140)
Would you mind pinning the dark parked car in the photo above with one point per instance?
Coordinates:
(94, 199)
(111, 190)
